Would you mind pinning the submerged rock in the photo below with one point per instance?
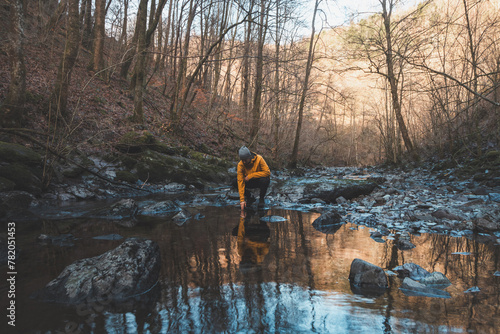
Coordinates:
(163, 208)
(273, 219)
(474, 289)
(125, 208)
(411, 287)
(411, 270)
(367, 275)
(181, 217)
(329, 222)
(126, 271)
(436, 278)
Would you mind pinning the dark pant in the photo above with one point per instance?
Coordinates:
(261, 183)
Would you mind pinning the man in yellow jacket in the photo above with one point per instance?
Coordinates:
(253, 173)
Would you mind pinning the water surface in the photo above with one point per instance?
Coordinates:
(225, 274)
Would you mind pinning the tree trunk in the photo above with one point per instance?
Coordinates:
(246, 62)
(143, 42)
(391, 77)
(60, 95)
(11, 112)
(87, 24)
(99, 35)
(310, 58)
(257, 98)
(178, 100)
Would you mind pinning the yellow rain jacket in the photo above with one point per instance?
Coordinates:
(258, 168)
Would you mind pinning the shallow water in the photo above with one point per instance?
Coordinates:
(223, 275)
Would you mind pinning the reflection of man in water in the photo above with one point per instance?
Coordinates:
(253, 244)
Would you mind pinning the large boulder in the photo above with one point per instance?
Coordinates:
(16, 153)
(366, 275)
(129, 270)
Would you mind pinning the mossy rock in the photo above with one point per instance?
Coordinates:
(22, 177)
(126, 176)
(6, 185)
(72, 171)
(493, 156)
(135, 142)
(164, 148)
(16, 153)
(156, 167)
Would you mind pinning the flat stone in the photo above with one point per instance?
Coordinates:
(411, 287)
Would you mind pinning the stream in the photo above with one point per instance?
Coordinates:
(221, 273)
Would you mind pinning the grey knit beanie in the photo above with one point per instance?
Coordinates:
(245, 153)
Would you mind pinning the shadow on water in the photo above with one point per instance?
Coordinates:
(230, 273)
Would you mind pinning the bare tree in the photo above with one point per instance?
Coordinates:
(305, 88)
(68, 60)
(11, 111)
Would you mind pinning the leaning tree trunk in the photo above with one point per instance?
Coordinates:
(11, 112)
(310, 56)
(60, 94)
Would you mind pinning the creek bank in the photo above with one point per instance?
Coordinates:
(140, 165)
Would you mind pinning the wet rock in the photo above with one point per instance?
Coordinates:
(495, 197)
(329, 222)
(411, 270)
(130, 269)
(411, 287)
(340, 200)
(81, 192)
(273, 219)
(365, 274)
(174, 187)
(486, 224)
(160, 209)
(181, 217)
(436, 279)
(445, 214)
(64, 197)
(348, 192)
(125, 208)
(480, 191)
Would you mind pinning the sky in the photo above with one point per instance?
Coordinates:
(338, 12)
